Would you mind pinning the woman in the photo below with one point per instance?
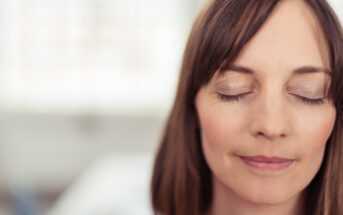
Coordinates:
(256, 127)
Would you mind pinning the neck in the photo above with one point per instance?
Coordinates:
(225, 202)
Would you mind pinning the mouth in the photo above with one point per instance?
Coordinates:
(267, 163)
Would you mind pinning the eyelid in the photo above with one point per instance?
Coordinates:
(231, 98)
(233, 92)
(232, 82)
(316, 101)
(308, 96)
(310, 85)
(311, 94)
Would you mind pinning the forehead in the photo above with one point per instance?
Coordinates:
(290, 38)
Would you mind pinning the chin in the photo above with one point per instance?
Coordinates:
(264, 197)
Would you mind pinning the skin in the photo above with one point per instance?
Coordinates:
(271, 119)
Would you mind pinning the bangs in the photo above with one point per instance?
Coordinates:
(225, 32)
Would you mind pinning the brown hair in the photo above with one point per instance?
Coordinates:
(181, 182)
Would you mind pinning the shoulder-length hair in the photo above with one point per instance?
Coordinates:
(181, 182)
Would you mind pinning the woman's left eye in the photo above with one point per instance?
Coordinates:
(310, 101)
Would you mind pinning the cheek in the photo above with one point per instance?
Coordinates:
(313, 137)
(221, 132)
(314, 129)
(216, 128)
(219, 128)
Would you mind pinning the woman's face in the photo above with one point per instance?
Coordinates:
(265, 122)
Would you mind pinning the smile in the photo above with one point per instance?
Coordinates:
(266, 163)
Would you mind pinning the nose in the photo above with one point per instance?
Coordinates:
(270, 118)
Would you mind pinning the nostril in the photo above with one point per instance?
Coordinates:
(270, 127)
(270, 135)
(260, 133)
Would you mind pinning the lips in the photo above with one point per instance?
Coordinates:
(267, 159)
(267, 163)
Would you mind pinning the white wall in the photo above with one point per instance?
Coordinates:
(106, 55)
(338, 7)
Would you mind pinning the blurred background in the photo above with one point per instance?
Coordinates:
(85, 87)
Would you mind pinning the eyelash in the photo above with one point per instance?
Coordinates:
(233, 98)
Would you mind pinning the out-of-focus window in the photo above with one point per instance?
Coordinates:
(93, 54)
(338, 7)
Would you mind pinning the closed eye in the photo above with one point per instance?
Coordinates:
(310, 101)
(231, 98)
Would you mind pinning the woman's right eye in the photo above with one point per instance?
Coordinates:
(231, 98)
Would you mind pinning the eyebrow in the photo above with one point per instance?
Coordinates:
(300, 70)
